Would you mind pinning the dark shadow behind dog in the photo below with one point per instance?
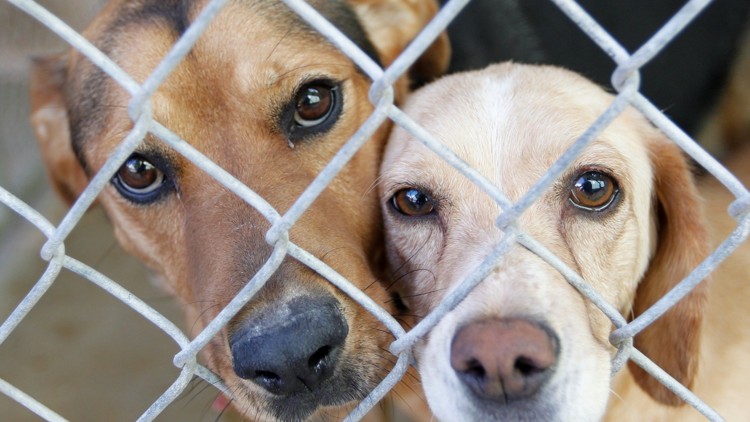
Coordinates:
(686, 79)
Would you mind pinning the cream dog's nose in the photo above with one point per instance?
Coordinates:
(504, 359)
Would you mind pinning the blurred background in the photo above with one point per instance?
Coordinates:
(80, 352)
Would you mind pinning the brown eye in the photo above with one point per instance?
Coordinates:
(313, 104)
(593, 191)
(138, 179)
(412, 202)
(313, 109)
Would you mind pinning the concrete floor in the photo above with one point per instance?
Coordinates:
(81, 352)
(85, 354)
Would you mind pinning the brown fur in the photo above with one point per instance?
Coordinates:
(673, 340)
(720, 378)
(223, 99)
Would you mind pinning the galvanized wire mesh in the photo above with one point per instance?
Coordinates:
(625, 79)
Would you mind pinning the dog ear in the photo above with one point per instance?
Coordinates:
(392, 24)
(49, 119)
(673, 340)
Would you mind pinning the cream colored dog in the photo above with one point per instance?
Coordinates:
(625, 215)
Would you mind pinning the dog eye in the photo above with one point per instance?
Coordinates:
(412, 202)
(593, 191)
(139, 180)
(313, 105)
(314, 109)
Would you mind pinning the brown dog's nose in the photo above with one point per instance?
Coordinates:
(504, 359)
(291, 348)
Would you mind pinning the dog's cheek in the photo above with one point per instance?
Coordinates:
(149, 234)
(413, 253)
(609, 252)
(601, 326)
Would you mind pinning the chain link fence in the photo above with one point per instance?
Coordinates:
(625, 79)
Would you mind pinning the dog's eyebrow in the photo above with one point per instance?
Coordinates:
(176, 14)
(173, 12)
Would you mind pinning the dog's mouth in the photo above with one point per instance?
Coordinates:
(296, 357)
(337, 391)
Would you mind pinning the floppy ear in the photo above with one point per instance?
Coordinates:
(673, 340)
(392, 24)
(49, 119)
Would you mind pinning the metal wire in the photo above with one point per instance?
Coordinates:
(625, 78)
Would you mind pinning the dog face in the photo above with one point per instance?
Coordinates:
(270, 101)
(524, 344)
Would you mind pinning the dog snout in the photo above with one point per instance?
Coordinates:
(292, 349)
(504, 359)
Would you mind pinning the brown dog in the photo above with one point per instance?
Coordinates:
(268, 99)
(625, 215)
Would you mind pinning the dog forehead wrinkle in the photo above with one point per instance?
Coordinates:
(175, 13)
(338, 12)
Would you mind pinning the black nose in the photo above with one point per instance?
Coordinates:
(292, 347)
(504, 359)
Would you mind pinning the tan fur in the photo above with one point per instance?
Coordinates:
(721, 378)
(374, 12)
(202, 240)
(673, 340)
(49, 121)
(511, 122)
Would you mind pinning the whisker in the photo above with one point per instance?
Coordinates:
(322, 258)
(410, 315)
(407, 261)
(193, 384)
(373, 185)
(403, 276)
(403, 322)
(425, 293)
(281, 39)
(198, 318)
